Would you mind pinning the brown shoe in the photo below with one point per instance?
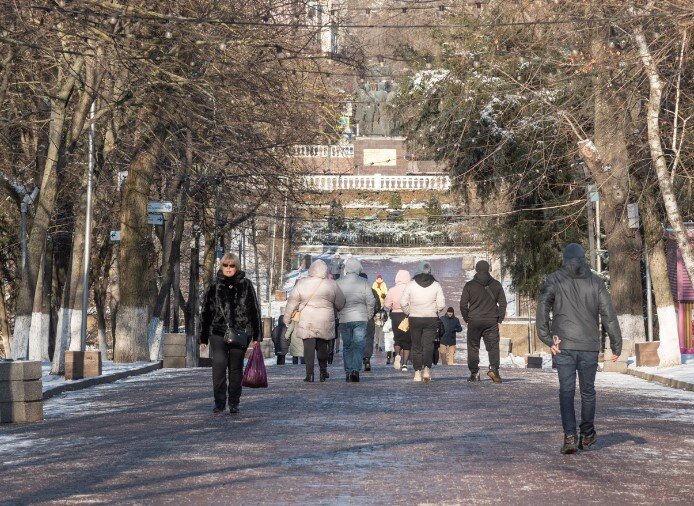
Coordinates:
(569, 445)
(494, 375)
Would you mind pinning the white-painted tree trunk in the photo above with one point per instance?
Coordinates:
(40, 321)
(658, 156)
(62, 339)
(632, 327)
(20, 337)
(38, 336)
(76, 343)
(155, 337)
(131, 334)
(669, 349)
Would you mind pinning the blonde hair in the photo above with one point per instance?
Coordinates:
(231, 258)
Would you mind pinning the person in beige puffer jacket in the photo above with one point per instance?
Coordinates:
(422, 301)
(317, 298)
(402, 339)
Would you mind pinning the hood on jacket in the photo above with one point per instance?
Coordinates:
(482, 275)
(574, 261)
(353, 266)
(318, 269)
(424, 280)
(402, 277)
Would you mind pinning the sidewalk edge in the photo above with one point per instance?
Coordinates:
(100, 380)
(668, 382)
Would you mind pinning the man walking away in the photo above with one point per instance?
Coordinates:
(451, 326)
(336, 266)
(354, 316)
(483, 307)
(577, 299)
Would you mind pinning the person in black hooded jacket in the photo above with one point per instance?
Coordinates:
(483, 307)
(577, 299)
(230, 302)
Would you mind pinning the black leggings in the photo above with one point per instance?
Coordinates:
(313, 347)
(225, 358)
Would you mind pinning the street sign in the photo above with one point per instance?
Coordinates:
(114, 235)
(155, 219)
(159, 206)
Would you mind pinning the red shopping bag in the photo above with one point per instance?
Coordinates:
(255, 375)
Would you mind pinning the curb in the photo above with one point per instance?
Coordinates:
(668, 382)
(100, 380)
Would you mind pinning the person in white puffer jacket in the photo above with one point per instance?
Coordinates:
(423, 301)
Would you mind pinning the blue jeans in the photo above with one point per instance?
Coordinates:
(353, 336)
(585, 363)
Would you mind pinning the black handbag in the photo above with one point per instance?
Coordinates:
(232, 337)
(236, 338)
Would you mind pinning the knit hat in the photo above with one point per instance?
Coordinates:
(379, 276)
(425, 267)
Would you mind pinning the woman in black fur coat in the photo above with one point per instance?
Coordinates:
(230, 304)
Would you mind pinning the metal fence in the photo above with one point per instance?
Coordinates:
(380, 239)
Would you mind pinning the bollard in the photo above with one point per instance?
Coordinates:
(647, 354)
(82, 364)
(174, 351)
(21, 392)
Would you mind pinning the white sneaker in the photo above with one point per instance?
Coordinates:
(427, 375)
(396, 362)
(418, 376)
(404, 368)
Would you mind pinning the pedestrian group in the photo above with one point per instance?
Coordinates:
(335, 303)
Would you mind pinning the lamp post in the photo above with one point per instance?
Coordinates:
(87, 230)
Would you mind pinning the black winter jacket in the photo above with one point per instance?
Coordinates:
(450, 327)
(477, 304)
(576, 297)
(278, 333)
(237, 298)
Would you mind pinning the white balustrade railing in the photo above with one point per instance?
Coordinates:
(323, 151)
(378, 182)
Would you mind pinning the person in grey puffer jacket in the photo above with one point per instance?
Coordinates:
(577, 299)
(423, 300)
(354, 317)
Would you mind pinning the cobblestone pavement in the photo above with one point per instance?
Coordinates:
(154, 439)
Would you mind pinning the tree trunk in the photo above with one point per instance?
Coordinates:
(62, 334)
(74, 309)
(4, 326)
(113, 293)
(100, 303)
(40, 315)
(658, 157)
(135, 248)
(171, 247)
(208, 259)
(44, 209)
(608, 162)
(669, 350)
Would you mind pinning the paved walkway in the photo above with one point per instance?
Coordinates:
(153, 439)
